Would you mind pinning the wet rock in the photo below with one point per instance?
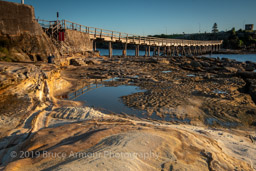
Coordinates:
(251, 112)
(226, 59)
(249, 67)
(246, 74)
(205, 64)
(195, 64)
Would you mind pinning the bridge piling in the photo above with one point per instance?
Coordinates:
(168, 51)
(148, 50)
(198, 50)
(137, 49)
(110, 49)
(173, 50)
(158, 51)
(165, 50)
(190, 52)
(124, 49)
(154, 53)
(183, 51)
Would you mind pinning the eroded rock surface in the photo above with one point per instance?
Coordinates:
(59, 134)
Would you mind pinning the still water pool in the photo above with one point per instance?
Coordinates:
(108, 100)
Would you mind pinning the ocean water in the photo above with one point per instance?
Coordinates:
(119, 52)
(130, 52)
(237, 57)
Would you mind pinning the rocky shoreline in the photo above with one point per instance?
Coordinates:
(215, 98)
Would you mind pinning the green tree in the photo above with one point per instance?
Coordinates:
(215, 28)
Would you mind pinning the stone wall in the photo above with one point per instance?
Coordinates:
(21, 35)
(16, 19)
(77, 42)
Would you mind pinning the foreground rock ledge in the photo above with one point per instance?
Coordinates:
(52, 134)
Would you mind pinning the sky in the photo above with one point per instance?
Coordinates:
(149, 17)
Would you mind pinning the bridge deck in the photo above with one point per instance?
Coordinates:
(114, 36)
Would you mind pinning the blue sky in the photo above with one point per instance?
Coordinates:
(146, 17)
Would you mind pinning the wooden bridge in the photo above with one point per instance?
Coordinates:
(164, 45)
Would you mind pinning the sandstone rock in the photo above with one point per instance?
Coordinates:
(77, 62)
(24, 36)
(205, 64)
(231, 69)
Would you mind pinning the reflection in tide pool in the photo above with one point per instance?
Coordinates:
(166, 72)
(191, 75)
(108, 98)
(219, 92)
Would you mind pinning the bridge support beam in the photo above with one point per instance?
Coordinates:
(154, 53)
(200, 50)
(158, 51)
(137, 49)
(176, 51)
(165, 50)
(183, 52)
(194, 50)
(197, 50)
(189, 51)
(169, 51)
(173, 50)
(148, 50)
(125, 50)
(209, 49)
(110, 49)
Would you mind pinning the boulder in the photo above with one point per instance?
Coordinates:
(195, 64)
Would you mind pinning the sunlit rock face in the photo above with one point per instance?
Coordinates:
(22, 35)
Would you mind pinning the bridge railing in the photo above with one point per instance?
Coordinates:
(132, 38)
(46, 23)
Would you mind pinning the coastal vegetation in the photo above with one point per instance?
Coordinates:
(232, 39)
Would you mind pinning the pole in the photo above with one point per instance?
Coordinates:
(110, 49)
(148, 50)
(125, 50)
(22, 1)
(57, 25)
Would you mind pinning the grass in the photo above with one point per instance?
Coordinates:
(5, 55)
